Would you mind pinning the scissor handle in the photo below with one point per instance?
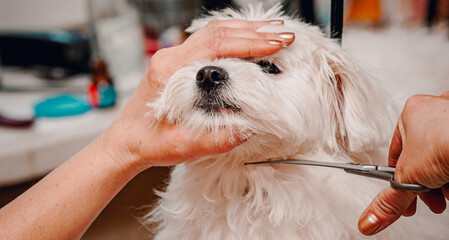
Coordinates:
(402, 186)
(408, 186)
(387, 173)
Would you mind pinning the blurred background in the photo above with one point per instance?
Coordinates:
(68, 66)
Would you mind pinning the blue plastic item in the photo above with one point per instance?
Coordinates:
(61, 106)
(107, 97)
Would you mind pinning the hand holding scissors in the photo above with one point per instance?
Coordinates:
(420, 152)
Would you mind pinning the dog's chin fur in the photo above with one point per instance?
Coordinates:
(321, 107)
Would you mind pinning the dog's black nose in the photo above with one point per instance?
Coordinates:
(210, 77)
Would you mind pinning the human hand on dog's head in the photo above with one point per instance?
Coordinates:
(420, 151)
(137, 144)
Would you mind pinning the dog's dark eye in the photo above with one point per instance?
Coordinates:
(269, 67)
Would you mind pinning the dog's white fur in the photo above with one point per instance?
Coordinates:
(321, 107)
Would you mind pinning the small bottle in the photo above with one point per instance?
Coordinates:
(101, 92)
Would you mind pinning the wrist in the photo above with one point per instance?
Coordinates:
(117, 151)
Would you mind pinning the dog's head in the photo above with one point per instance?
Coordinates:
(310, 93)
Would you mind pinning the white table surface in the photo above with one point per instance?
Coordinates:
(32, 152)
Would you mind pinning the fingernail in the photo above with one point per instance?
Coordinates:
(369, 223)
(287, 35)
(278, 22)
(274, 42)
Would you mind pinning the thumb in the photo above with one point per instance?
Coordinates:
(385, 209)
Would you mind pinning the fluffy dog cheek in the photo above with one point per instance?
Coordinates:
(176, 101)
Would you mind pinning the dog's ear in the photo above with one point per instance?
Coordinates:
(357, 115)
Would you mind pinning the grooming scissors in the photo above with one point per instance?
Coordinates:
(373, 171)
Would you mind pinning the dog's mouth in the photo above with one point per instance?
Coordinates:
(210, 104)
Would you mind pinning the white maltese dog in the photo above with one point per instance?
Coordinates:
(308, 101)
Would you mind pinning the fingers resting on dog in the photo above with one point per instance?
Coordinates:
(248, 33)
(220, 39)
(240, 38)
(239, 23)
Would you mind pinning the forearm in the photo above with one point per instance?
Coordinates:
(66, 202)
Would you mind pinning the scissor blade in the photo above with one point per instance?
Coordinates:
(352, 166)
(379, 172)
